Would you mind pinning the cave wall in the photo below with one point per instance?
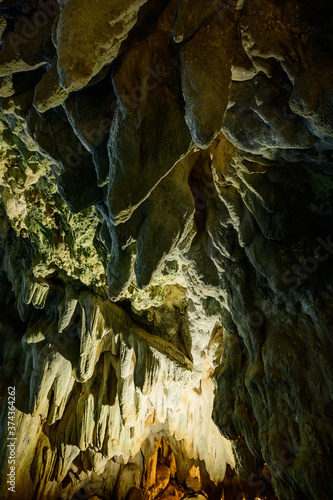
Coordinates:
(166, 245)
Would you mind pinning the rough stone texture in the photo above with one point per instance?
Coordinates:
(166, 248)
(89, 35)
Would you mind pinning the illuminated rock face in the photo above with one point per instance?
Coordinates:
(166, 225)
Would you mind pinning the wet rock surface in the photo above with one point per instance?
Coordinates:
(166, 248)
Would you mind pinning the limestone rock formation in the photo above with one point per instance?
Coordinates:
(166, 270)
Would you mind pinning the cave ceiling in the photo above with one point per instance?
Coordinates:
(166, 242)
